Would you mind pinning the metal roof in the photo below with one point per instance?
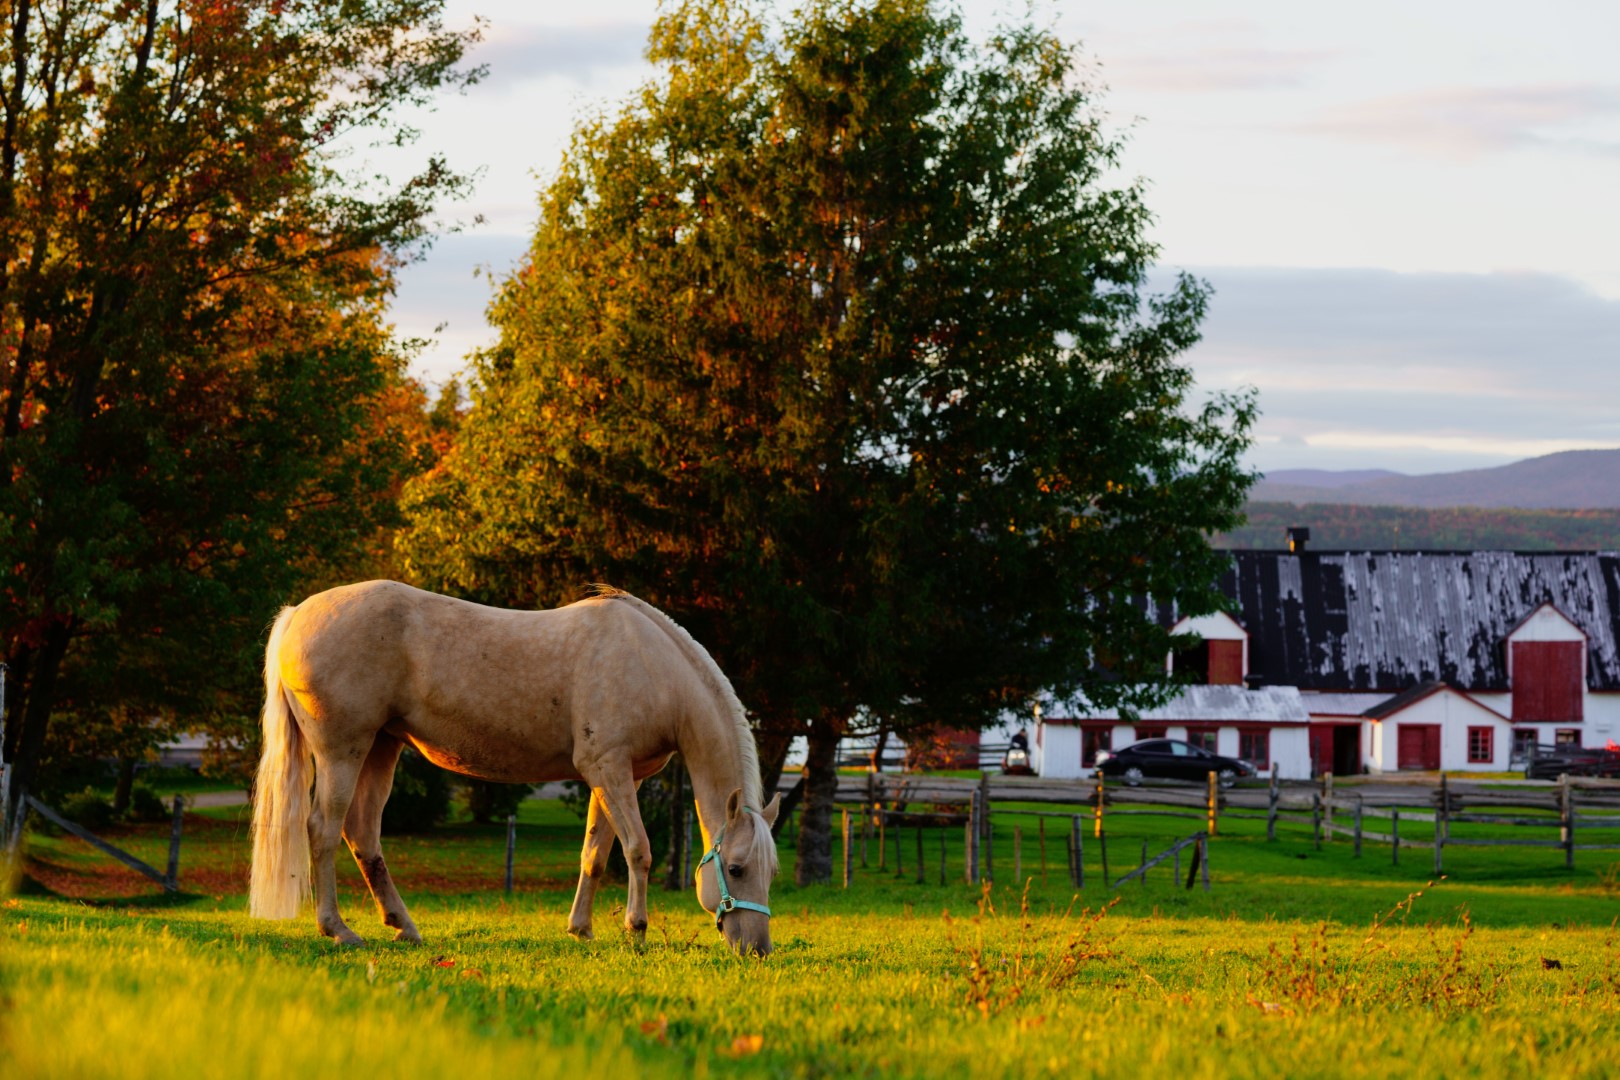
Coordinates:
(1217, 705)
(1383, 620)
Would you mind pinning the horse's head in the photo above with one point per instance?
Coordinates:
(734, 875)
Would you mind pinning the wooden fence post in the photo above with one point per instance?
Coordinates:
(174, 845)
(1566, 814)
(1316, 819)
(1077, 860)
(866, 814)
(883, 843)
(1358, 826)
(973, 839)
(1042, 822)
(1098, 810)
(1102, 851)
(967, 849)
(1395, 835)
(511, 849)
(1327, 806)
(1442, 824)
(1214, 799)
(984, 825)
(849, 859)
(899, 852)
(1204, 863)
(1143, 865)
(1271, 805)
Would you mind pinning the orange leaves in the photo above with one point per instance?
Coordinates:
(744, 1045)
(444, 961)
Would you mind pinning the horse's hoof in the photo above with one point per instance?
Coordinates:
(409, 937)
(348, 937)
(581, 933)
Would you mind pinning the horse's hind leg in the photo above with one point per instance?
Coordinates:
(593, 860)
(335, 776)
(618, 793)
(362, 828)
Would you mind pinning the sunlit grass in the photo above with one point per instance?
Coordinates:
(1290, 966)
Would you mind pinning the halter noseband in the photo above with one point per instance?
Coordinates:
(728, 903)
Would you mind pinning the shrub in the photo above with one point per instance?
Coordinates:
(489, 801)
(421, 796)
(145, 805)
(89, 809)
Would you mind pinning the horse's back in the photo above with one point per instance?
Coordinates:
(486, 691)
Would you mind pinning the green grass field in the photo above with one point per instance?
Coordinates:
(1297, 963)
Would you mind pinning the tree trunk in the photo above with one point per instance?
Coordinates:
(36, 717)
(877, 751)
(126, 783)
(814, 865)
(773, 741)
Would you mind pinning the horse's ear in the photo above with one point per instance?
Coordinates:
(771, 810)
(733, 804)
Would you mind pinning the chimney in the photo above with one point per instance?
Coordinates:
(1298, 537)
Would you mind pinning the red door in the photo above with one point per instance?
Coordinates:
(1417, 746)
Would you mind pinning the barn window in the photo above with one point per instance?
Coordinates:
(1151, 731)
(1568, 737)
(1480, 746)
(1524, 743)
(1203, 738)
(1093, 739)
(1217, 663)
(1254, 746)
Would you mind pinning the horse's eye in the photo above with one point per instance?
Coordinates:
(735, 870)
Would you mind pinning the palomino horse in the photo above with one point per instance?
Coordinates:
(604, 691)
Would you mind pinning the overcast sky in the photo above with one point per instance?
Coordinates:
(1408, 212)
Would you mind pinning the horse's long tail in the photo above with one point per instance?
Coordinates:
(280, 798)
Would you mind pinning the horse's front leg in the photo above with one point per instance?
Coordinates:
(593, 860)
(618, 794)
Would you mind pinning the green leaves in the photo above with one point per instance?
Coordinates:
(201, 411)
(833, 343)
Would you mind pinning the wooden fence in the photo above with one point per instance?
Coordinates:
(879, 804)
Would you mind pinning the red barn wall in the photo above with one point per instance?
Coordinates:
(1549, 680)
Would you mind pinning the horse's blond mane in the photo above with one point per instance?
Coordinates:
(746, 749)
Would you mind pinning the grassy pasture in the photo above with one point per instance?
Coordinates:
(1298, 963)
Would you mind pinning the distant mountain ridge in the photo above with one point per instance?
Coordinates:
(1570, 480)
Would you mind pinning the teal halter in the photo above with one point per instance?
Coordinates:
(728, 903)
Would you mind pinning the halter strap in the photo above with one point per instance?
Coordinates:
(728, 903)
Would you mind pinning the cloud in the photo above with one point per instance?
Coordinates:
(1466, 122)
(516, 53)
(1197, 71)
(443, 298)
(1500, 365)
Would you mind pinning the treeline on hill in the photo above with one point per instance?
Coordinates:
(1411, 528)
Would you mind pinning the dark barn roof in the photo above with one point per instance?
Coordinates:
(1382, 620)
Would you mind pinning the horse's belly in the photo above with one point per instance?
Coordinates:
(492, 755)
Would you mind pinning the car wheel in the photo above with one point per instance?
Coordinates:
(1228, 777)
(1132, 775)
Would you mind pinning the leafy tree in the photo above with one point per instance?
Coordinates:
(833, 343)
(199, 402)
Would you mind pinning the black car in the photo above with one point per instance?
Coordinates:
(1551, 762)
(1170, 759)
